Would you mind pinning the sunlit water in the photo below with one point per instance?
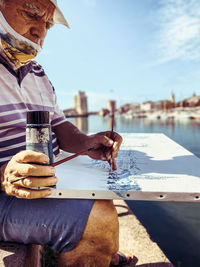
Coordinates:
(186, 133)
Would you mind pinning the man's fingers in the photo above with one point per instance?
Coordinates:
(115, 149)
(35, 170)
(22, 172)
(114, 136)
(31, 156)
(27, 193)
(114, 143)
(97, 154)
(36, 181)
(113, 164)
(105, 140)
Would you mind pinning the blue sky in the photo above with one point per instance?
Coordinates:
(127, 50)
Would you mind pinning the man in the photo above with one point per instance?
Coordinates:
(83, 232)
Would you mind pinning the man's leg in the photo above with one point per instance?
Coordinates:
(99, 241)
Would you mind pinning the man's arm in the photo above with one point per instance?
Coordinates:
(69, 137)
(106, 144)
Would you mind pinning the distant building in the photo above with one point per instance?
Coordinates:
(157, 105)
(80, 103)
(193, 101)
(125, 108)
(172, 97)
(111, 106)
(146, 106)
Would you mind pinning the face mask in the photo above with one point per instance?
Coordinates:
(15, 48)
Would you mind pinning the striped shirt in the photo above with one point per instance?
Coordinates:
(30, 89)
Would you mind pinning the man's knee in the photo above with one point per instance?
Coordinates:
(100, 239)
(102, 228)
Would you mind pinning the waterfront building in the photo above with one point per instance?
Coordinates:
(111, 106)
(125, 108)
(157, 105)
(193, 101)
(172, 97)
(80, 103)
(147, 106)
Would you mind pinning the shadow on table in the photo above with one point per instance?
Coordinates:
(174, 226)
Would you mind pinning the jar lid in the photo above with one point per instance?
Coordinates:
(37, 117)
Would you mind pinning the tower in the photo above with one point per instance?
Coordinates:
(111, 106)
(172, 97)
(80, 103)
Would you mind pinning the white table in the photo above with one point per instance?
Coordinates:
(150, 167)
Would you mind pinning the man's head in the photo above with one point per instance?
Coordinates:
(30, 18)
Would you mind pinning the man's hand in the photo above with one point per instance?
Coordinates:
(106, 146)
(24, 164)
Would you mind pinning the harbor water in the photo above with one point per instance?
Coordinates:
(186, 132)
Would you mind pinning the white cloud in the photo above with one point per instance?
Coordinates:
(179, 30)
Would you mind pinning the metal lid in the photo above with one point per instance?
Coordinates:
(37, 117)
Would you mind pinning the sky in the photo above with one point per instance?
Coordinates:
(131, 51)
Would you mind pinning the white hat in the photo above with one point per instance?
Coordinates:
(58, 15)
